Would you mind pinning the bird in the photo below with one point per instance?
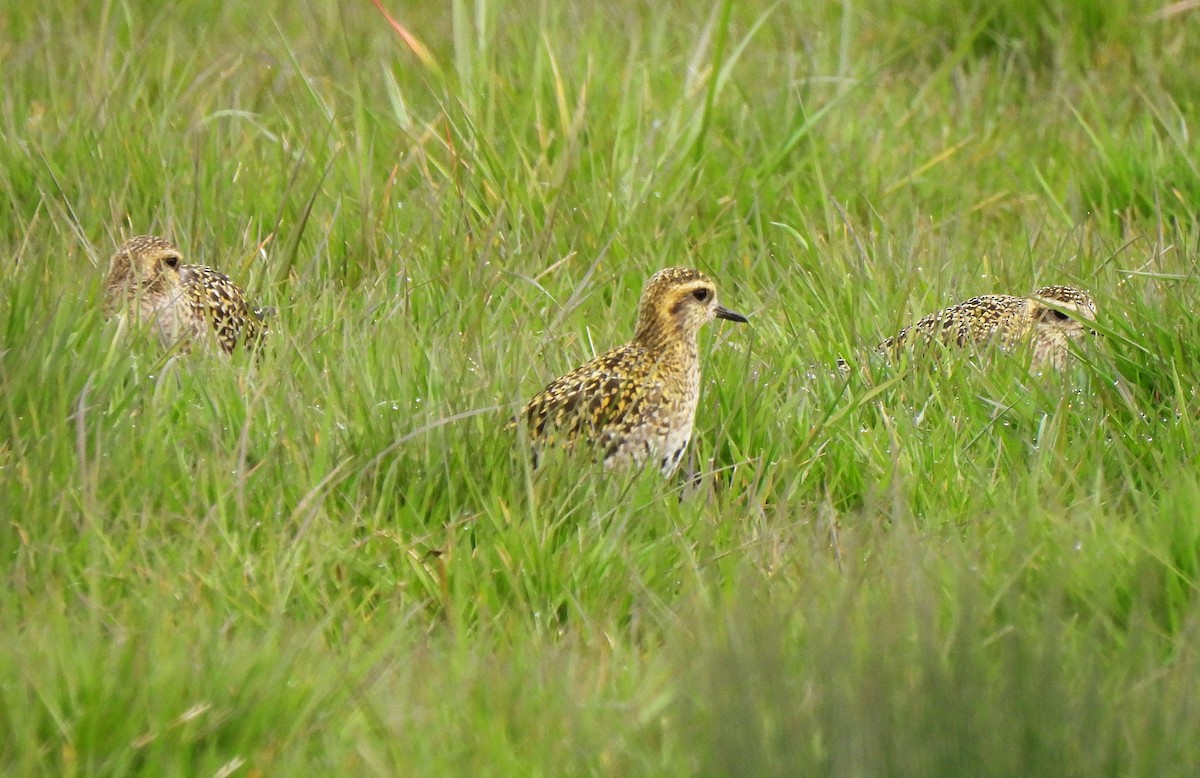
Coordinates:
(1049, 318)
(635, 404)
(148, 278)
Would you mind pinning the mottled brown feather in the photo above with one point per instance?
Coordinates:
(637, 402)
(182, 302)
(1048, 319)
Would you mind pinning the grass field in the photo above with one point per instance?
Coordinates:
(334, 561)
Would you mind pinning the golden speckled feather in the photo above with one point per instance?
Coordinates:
(1049, 318)
(636, 403)
(148, 279)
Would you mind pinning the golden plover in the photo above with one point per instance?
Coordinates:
(147, 277)
(636, 403)
(1049, 318)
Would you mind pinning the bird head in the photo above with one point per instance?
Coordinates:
(676, 303)
(1063, 309)
(146, 264)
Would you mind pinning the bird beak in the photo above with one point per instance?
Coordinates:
(725, 313)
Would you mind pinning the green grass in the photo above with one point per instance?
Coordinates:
(335, 560)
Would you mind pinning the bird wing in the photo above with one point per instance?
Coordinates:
(601, 397)
(974, 321)
(223, 305)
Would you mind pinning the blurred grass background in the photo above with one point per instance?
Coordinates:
(334, 561)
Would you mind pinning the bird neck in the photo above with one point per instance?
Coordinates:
(671, 339)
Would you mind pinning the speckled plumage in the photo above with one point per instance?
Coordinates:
(148, 279)
(1048, 319)
(636, 403)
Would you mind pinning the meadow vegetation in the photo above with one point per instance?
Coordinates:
(334, 560)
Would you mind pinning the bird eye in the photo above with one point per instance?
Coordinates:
(1059, 315)
(700, 294)
(171, 261)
